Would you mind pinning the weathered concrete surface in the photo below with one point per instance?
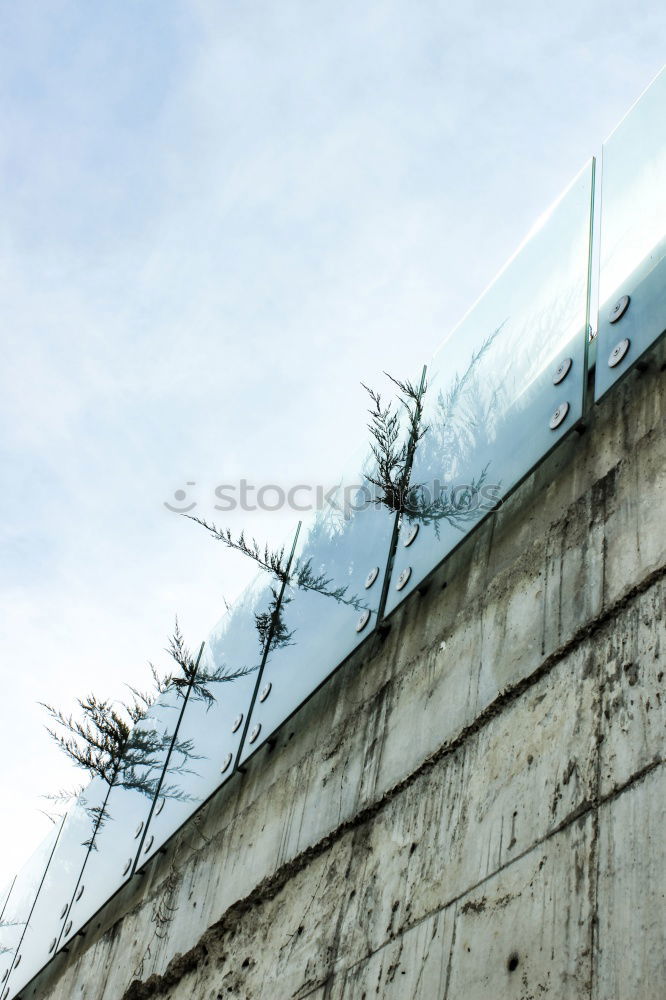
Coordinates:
(479, 791)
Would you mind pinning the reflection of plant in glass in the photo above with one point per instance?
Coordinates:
(456, 428)
(116, 742)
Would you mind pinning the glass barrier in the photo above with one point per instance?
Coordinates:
(216, 711)
(632, 256)
(330, 606)
(110, 862)
(4, 896)
(19, 906)
(50, 913)
(503, 389)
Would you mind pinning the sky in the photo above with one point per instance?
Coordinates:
(216, 220)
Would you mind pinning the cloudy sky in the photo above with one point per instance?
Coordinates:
(217, 218)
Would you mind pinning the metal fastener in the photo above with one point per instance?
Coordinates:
(79, 893)
(128, 865)
(619, 309)
(412, 535)
(237, 723)
(139, 830)
(562, 371)
(619, 352)
(371, 577)
(160, 806)
(52, 945)
(403, 579)
(225, 763)
(363, 621)
(63, 912)
(559, 416)
(17, 960)
(255, 732)
(68, 927)
(265, 691)
(151, 841)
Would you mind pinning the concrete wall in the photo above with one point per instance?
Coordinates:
(475, 807)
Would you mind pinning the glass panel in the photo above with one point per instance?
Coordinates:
(110, 862)
(214, 718)
(504, 388)
(341, 560)
(633, 238)
(4, 896)
(19, 907)
(51, 911)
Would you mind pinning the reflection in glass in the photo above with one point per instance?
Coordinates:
(213, 726)
(330, 603)
(504, 387)
(50, 913)
(110, 861)
(632, 276)
(20, 905)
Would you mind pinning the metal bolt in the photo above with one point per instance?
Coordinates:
(225, 763)
(68, 927)
(559, 416)
(265, 691)
(17, 961)
(79, 893)
(128, 865)
(371, 577)
(63, 912)
(237, 723)
(619, 309)
(160, 807)
(403, 579)
(412, 535)
(363, 621)
(52, 945)
(151, 841)
(619, 352)
(255, 732)
(562, 371)
(139, 830)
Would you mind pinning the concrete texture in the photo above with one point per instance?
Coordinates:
(472, 808)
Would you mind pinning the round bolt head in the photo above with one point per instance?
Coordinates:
(225, 763)
(371, 577)
(559, 416)
(255, 732)
(363, 621)
(79, 893)
(619, 309)
(403, 579)
(68, 927)
(562, 371)
(265, 691)
(151, 841)
(128, 865)
(237, 723)
(139, 830)
(411, 537)
(52, 946)
(619, 352)
(63, 912)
